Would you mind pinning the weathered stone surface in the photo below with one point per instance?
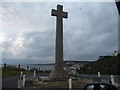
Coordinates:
(59, 73)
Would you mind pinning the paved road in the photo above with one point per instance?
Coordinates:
(11, 82)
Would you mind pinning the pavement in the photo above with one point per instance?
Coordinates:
(10, 82)
(103, 77)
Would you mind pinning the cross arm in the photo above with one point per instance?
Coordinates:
(54, 12)
(65, 15)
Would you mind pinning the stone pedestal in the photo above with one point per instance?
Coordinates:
(58, 75)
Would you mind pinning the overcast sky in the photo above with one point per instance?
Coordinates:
(27, 31)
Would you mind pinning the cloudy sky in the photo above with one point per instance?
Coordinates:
(27, 31)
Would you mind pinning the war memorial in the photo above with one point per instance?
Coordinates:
(58, 78)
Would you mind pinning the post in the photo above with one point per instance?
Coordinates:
(19, 83)
(97, 78)
(5, 66)
(70, 83)
(34, 73)
(112, 79)
(27, 68)
(98, 74)
(19, 67)
(21, 75)
(23, 84)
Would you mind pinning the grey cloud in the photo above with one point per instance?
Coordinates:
(40, 44)
(88, 32)
(94, 38)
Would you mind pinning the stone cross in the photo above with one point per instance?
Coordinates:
(58, 73)
(59, 35)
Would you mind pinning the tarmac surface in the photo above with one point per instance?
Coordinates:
(11, 82)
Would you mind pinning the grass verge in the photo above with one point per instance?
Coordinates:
(13, 73)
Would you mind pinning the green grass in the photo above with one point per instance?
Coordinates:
(0, 73)
(13, 73)
(105, 65)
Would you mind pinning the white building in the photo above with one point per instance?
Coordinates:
(116, 53)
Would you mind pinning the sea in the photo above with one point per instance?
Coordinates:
(40, 66)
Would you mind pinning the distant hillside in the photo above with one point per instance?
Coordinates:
(105, 65)
(84, 62)
(42, 64)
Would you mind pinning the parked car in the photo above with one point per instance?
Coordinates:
(100, 86)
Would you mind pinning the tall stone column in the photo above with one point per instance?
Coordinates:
(59, 73)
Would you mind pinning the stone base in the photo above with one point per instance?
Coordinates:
(45, 78)
(58, 75)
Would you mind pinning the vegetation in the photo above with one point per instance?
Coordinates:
(11, 70)
(83, 62)
(0, 73)
(105, 65)
(13, 73)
